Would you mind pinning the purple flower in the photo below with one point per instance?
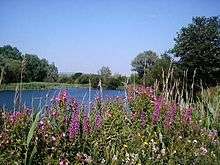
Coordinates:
(74, 128)
(187, 116)
(143, 119)
(86, 124)
(156, 114)
(74, 104)
(133, 116)
(98, 121)
(170, 117)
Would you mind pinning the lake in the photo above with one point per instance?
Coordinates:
(40, 98)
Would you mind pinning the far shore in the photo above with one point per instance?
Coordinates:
(40, 86)
(43, 86)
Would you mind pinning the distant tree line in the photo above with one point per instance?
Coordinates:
(103, 78)
(15, 65)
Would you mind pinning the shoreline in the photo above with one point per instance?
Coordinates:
(40, 86)
(45, 86)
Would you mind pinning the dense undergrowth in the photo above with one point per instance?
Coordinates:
(145, 127)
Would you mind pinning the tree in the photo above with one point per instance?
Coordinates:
(10, 60)
(198, 47)
(52, 73)
(144, 62)
(32, 67)
(161, 65)
(105, 72)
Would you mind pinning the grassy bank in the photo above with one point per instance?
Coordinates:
(39, 86)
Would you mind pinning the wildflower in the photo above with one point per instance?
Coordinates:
(41, 122)
(98, 121)
(103, 161)
(195, 141)
(64, 162)
(170, 117)
(187, 116)
(125, 146)
(74, 104)
(145, 143)
(156, 114)
(143, 119)
(53, 138)
(86, 124)
(74, 125)
(213, 134)
(203, 151)
(174, 152)
(114, 158)
(163, 151)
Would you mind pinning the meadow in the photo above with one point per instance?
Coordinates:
(148, 126)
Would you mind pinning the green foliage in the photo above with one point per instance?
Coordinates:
(33, 68)
(29, 138)
(198, 47)
(143, 62)
(105, 72)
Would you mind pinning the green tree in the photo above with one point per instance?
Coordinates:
(143, 62)
(10, 60)
(105, 72)
(198, 47)
(160, 67)
(52, 73)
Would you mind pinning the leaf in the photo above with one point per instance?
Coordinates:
(32, 154)
(33, 127)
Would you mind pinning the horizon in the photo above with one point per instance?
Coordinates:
(82, 36)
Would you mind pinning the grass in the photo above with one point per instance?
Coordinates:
(40, 86)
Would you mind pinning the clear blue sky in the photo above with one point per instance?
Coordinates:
(83, 35)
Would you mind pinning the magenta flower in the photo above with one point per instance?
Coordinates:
(143, 119)
(86, 124)
(74, 128)
(157, 107)
(98, 121)
(170, 117)
(74, 104)
(187, 116)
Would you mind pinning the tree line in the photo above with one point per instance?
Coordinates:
(196, 52)
(14, 64)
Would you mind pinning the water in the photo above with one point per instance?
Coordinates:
(40, 98)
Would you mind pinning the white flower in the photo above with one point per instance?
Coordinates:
(114, 158)
(180, 137)
(195, 141)
(103, 161)
(174, 152)
(53, 138)
(203, 151)
(63, 134)
(163, 151)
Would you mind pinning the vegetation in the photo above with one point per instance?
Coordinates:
(145, 129)
(162, 121)
(198, 47)
(40, 86)
(32, 68)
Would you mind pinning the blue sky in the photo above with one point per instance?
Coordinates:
(83, 35)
